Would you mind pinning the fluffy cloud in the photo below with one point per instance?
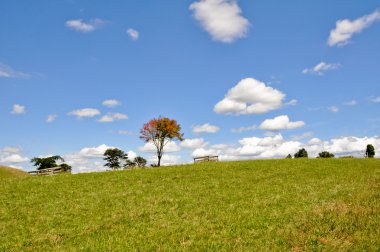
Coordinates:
(51, 118)
(193, 143)
(205, 128)
(320, 68)
(222, 19)
(133, 34)
(243, 129)
(166, 160)
(82, 26)
(88, 159)
(346, 28)
(111, 117)
(250, 96)
(12, 156)
(8, 72)
(277, 147)
(86, 112)
(111, 103)
(18, 109)
(280, 123)
(169, 147)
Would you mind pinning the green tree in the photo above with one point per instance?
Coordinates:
(140, 161)
(48, 162)
(325, 154)
(114, 158)
(302, 153)
(65, 167)
(160, 131)
(370, 151)
(289, 156)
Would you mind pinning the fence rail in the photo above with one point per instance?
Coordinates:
(48, 171)
(206, 159)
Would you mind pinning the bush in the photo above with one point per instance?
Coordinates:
(325, 154)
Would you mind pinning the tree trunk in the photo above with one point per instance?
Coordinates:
(159, 161)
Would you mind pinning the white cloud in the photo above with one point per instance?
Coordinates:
(292, 102)
(94, 151)
(277, 147)
(82, 26)
(301, 136)
(169, 147)
(51, 118)
(8, 72)
(193, 143)
(376, 99)
(222, 19)
(166, 160)
(205, 128)
(334, 109)
(250, 96)
(86, 112)
(351, 103)
(131, 155)
(352, 145)
(90, 159)
(314, 141)
(11, 156)
(111, 103)
(133, 34)
(243, 129)
(346, 28)
(320, 68)
(111, 117)
(280, 123)
(18, 109)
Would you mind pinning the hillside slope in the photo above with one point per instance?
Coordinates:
(331, 205)
(8, 172)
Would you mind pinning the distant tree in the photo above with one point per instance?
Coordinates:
(289, 156)
(160, 131)
(129, 164)
(48, 162)
(114, 158)
(370, 151)
(302, 153)
(65, 167)
(325, 154)
(140, 161)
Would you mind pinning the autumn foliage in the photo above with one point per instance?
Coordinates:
(160, 131)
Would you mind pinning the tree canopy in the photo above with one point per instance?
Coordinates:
(325, 154)
(370, 151)
(302, 153)
(114, 158)
(140, 161)
(160, 131)
(48, 162)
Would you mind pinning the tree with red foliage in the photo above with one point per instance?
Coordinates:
(160, 131)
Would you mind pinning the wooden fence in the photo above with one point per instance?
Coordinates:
(206, 159)
(48, 171)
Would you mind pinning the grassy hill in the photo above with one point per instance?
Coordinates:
(7, 172)
(250, 205)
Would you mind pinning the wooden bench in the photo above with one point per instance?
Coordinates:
(206, 159)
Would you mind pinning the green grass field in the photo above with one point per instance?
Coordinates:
(298, 205)
(7, 172)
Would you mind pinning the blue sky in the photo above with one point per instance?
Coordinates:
(245, 79)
